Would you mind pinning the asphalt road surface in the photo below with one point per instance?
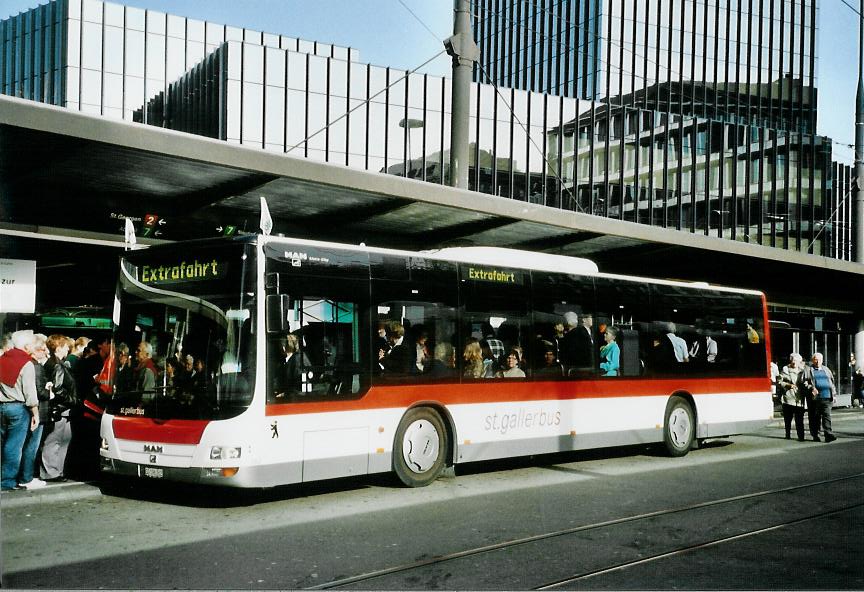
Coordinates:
(754, 511)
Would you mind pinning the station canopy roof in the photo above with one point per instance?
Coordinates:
(67, 174)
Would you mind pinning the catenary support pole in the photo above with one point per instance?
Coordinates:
(858, 220)
(464, 51)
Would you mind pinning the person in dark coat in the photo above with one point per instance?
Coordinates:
(577, 345)
(59, 434)
(287, 379)
(400, 358)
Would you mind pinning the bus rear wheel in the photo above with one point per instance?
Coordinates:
(679, 427)
(419, 447)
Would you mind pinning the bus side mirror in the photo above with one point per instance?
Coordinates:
(278, 306)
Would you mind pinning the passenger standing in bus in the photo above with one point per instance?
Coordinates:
(124, 381)
(578, 342)
(704, 350)
(792, 397)
(400, 358)
(610, 353)
(145, 372)
(679, 346)
(819, 382)
(287, 380)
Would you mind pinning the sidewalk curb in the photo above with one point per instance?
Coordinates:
(54, 492)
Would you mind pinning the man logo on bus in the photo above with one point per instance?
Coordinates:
(152, 448)
(296, 257)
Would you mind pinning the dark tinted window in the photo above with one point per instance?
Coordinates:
(563, 308)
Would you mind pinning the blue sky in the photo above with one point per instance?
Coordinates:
(387, 34)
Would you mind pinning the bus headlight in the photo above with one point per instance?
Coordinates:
(104, 444)
(224, 452)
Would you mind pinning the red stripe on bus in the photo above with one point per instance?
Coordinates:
(171, 431)
(507, 391)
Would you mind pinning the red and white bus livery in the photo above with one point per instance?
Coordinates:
(269, 361)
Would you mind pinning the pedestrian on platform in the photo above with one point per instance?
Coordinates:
(30, 452)
(19, 406)
(792, 396)
(76, 352)
(818, 381)
(58, 434)
(5, 343)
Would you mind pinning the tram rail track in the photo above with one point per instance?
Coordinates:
(407, 568)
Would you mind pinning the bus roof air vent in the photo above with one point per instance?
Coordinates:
(515, 258)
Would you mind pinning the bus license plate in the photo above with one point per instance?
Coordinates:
(154, 472)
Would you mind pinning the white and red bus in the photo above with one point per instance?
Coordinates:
(268, 366)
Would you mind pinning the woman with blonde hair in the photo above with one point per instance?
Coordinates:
(473, 357)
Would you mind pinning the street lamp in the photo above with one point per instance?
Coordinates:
(408, 124)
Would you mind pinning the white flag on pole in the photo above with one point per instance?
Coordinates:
(129, 233)
(266, 220)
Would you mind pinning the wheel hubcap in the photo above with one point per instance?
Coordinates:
(679, 427)
(420, 446)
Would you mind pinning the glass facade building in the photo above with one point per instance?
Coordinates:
(110, 59)
(698, 115)
(693, 115)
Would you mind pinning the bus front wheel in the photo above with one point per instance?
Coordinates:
(420, 447)
(679, 428)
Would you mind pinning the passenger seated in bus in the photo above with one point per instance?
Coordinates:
(473, 357)
(286, 378)
(610, 354)
(443, 365)
(551, 368)
(421, 351)
(490, 361)
(400, 359)
(512, 370)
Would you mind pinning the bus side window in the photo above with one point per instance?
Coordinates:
(623, 306)
(416, 312)
(319, 358)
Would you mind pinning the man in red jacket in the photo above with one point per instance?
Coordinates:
(19, 405)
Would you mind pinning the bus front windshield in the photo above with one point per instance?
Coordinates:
(186, 321)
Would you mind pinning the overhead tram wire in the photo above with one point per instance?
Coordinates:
(852, 8)
(364, 103)
(570, 195)
(419, 20)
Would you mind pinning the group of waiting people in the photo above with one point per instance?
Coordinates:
(44, 382)
(51, 395)
(811, 388)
